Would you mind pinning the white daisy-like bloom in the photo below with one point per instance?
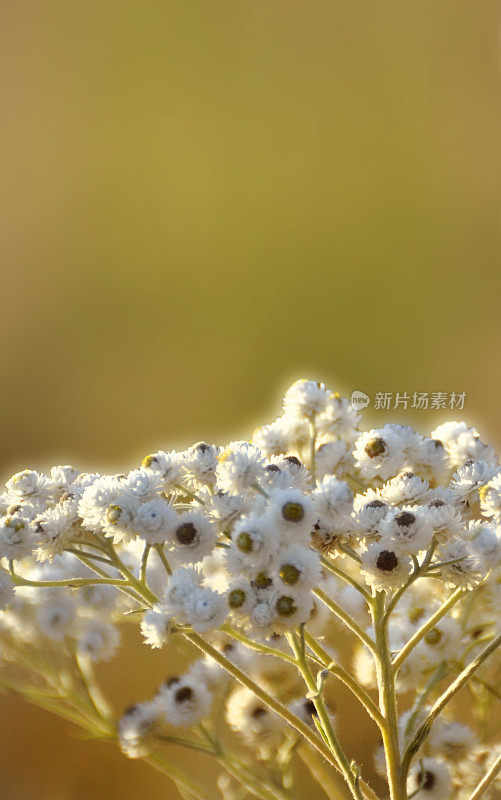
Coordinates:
(250, 717)
(241, 597)
(263, 617)
(429, 780)
(63, 476)
(333, 457)
(407, 528)
(29, 484)
(332, 497)
(306, 399)
(369, 509)
(253, 544)
(200, 464)
(155, 521)
(156, 626)
(7, 592)
(452, 740)
(117, 521)
(485, 541)
(135, 727)
(97, 639)
(183, 702)
(429, 458)
(292, 608)
(291, 513)
(143, 483)
(17, 537)
(462, 568)
(272, 439)
(183, 582)
(379, 453)
(442, 641)
(406, 487)
(239, 466)
(96, 498)
(285, 472)
(445, 519)
(53, 528)
(384, 566)
(463, 443)
(340, 418)
(167, 465)
(298, 567)
(206, 610)
(469, 478)
(193, 537)
(56, 618)
(224, 507)
(490, 498)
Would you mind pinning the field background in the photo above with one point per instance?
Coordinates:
(202, 201)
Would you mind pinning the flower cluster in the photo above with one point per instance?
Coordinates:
(315, 551)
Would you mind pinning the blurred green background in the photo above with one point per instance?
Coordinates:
(202, 201)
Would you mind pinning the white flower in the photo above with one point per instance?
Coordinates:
(369, 510)
(143, 483)
(429, 780)
(241, 597)
(55, 617)
(463, 443)
(52, 529)
(333, 457)
(340, 418)
(485, 541)
(200, 464)
(250, 717)
(404, 488)
(407, 528)
(166, 465)
(156, 626)
(306, 399)
(183, 702)
(298, 567)
(272, 439)
(332, 497)
(291, 513)
(380, 453)
(206, 610)
(182, 583)
(63, 476)
(292, 608)
(155, 520)
(29, 483)
(239, 466)
(452, 740)
(193, 537)
(490, 498)
(98, 640)
(285, 472)
(384, 566)
(445, 520)
(16, 537)
(252, 545)
(469, 478)
(134, 728)
(464, 571)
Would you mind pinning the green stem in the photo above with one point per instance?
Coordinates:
(345, 617)
(344, 676)
(324, 719)
(423, 730)
(387, 700)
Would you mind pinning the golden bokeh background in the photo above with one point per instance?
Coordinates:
(202, 201)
